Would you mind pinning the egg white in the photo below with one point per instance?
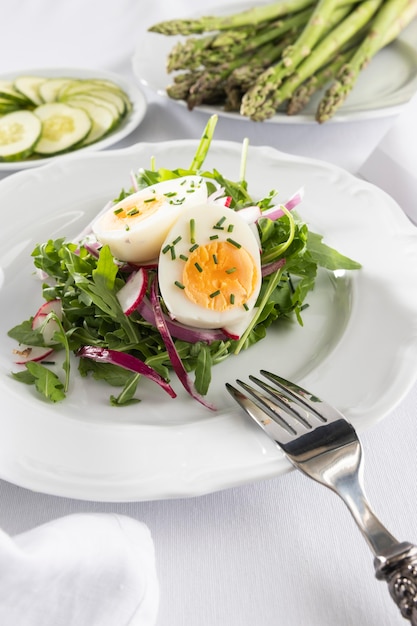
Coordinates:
(175, 251)
(138, 238)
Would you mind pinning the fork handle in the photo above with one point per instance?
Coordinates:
(398, 567)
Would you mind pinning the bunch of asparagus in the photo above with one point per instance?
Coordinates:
(276, 56)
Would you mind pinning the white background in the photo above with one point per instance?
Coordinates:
(278, 552)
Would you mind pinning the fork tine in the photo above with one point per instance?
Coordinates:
(272, 426)
(268, 406)
(321, 409)
(292, 408)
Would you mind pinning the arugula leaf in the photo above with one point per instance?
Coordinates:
(46, 382)
(328, 257)
(203, 370)
(101, 289)
(126, 397)
(24, 333)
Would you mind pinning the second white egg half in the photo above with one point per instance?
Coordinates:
(135, 227)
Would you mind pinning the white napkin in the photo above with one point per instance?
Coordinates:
(393, 164)
(79, 570)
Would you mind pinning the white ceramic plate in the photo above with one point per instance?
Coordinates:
(357, 349)
(129, 124)
(382, 89)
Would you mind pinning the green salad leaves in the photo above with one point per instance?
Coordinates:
(86, 284)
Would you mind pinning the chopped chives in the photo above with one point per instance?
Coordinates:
(215, 259)
(194, 247)
(233, 242)
(245, 306)
(183, 257)
(117, 211)
(192, 230)
(232, 298)
(170, 194)
(177, 240)
(134, 211)
(179, 285)
(149, 200)
(215, 293)
(220, 222)
(231, 270)
(214, 237)
(166, 248)
(198, 267)
(230, 228)
(173, 253)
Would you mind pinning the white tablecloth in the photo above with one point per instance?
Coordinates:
(281, 551)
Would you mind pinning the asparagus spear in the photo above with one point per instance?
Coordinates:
(209, 50)
(259, 103)
(255, 15)
(390, 13)
(303, 93)
(212, 81)
(180, 88)
(229, 45)
(243, 77)
(326, 49)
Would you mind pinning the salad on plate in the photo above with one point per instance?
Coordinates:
(182, 270)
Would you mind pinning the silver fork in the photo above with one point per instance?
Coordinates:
(320, 442)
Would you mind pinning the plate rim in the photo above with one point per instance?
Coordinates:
(187, 488)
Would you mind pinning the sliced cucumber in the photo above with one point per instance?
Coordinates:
(8, 92)
(80, 97)
(71, 112)
(102, 119)
(48, 91)
(7, 106)
(19, 133)
(29, 87)
(63, 127)
(107, 84)
(88, 88)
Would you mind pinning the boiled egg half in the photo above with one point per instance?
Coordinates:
(135, 227)
(209, 268)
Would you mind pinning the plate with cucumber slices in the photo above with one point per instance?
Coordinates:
(47, 113)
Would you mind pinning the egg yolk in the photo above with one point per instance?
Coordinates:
(130, 213)
(219, 276)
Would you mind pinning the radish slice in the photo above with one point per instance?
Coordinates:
(250, 214)
(128, 362)
(133, 291)
(172, 351)
(52, 306)
(30, 353)
(27, 353)
(51, 325)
